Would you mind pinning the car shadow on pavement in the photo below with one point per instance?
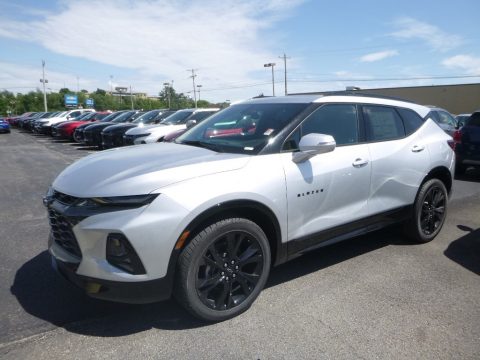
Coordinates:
(46, 295)
(471, 175)
(465, 251)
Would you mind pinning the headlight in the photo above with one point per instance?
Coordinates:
(120, 201)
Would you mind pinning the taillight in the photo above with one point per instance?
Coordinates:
(457, 139)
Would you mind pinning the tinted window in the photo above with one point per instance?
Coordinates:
(382, 123)
(411, 120)
(445, 118)
(201, 115)
(338, 120)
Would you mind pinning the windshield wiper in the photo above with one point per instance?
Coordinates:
(202, 144)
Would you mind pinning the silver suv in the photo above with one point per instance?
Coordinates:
(252, 186)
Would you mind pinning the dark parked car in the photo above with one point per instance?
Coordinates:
(112, 136)
(461, 118)
(443, 118)
(93, 133)
(78, 134)
(467, 144)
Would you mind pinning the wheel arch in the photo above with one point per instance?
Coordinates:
(443, 174)
(254, 211)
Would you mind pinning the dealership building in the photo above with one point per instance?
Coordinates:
(457, 99)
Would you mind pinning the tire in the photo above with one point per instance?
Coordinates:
(223, 269)
(429, 213)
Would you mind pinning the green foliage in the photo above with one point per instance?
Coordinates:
(14, 104)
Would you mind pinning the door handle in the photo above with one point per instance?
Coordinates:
(358, 163)
(418, 148)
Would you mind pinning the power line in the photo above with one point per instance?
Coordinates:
(389, 79)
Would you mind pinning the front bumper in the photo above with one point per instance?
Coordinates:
(141, 292)
(78, 245)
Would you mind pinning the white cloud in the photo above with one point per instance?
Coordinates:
(409, 28)
(467, 63)
(161, 38)
(377, 56)
(20, 78)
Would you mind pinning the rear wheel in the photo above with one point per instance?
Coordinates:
(223, 269)
(430, 211)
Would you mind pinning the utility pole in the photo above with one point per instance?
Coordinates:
(284, 57)
(131, 96)
(194, 90)
(44, 81)
(167, 90)
(272, 65)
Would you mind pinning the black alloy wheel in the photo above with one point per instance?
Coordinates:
(433, 210)
(229, 270)
(223, 269)
(429, 213)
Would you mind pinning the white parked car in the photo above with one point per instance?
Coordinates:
(45, 126)
(177, 121)
(254, 185)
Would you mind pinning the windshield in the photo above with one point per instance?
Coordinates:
(242, 128)
(147, 117)
(179, 117)
(123, 117)
(111, 116)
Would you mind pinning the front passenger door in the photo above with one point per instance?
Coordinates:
(329, 189)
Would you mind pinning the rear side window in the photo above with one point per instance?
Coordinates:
(382, 123)
(411, 120)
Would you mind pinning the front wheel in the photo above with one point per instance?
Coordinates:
(223, 269)
(430, 211)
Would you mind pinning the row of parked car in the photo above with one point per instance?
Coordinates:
(108, 129)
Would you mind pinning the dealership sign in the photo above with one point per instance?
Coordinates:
(89, 102)
(71, 100)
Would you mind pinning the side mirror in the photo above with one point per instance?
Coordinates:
(313, 144)
(191, 123)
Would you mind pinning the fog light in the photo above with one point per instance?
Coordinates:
(121, 254)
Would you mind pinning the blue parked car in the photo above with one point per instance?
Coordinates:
(4, 126)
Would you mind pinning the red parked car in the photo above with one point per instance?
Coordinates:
(66, 129)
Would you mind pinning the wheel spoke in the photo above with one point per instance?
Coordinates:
(209, 284)
(233, 243)
(440, 210)
(220, 303)
(251, 278)
(247, 254)
(244, 285)
(216, 256)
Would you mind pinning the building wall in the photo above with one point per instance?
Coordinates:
(457, 99)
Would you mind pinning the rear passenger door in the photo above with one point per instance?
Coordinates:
(398, 154)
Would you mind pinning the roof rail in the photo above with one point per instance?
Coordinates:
(361, 94)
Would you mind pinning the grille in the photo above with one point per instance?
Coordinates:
(62, 233)
(128, 139)
(64, 198)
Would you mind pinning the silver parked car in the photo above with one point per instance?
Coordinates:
(254, 185)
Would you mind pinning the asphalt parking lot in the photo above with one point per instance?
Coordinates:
(376, 296)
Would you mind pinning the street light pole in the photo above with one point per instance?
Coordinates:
(199, 86)
(272, 65)
(284, 57)
(44, 81)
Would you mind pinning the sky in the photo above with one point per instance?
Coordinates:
(329, 45)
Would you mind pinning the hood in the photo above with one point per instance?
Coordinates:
(145, 129)
(71, 123)
(142, 169)
(119, 127)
